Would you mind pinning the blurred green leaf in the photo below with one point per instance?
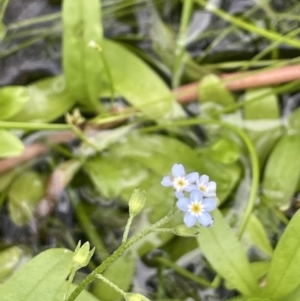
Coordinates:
(9, 260)
(264, 107)
(141, 86)
(82, 64)
(293, 296)
(84, 295)
(258, 236)
(282, 171)
(293, 124)
(48, 101)
(40, 279)
(121, 273)
(25, 192)
(10, 145)
(105, 172)
(284, 272)
(12, 100)
(224, 252)
(212, 89)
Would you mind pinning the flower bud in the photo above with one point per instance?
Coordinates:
(137, 202)
(82, 255)
(183, 230)
(135, 297)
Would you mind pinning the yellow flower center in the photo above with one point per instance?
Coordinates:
(195, 208)
(203, 188)
(180, 183)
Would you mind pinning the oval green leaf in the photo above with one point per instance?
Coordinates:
(224, 252)
(282, 171)
(10, 145)
(40, 279)
(284, 272)
(12, 100)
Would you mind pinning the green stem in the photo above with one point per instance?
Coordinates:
(167, 262)
(112, 285)
(127, 228)
(3, 9)
(181, 42)
(118, 252)
(250, 147)
(270, 35)
(33, 126)
(88, 227)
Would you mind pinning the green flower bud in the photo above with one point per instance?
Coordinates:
(137, 202)
(135, 297)
(82, 255)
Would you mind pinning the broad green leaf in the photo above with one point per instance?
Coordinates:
(293, 296)
(264, 107)
(40, 279)
(82, 64)
(9, 260)
(120, 273)
(105, 172)
(12, 100)
(293, 124)
(24, 193)
(258, 236)
(212, 89)
(48, 101)
(224, 252)
(258, 299)
(135, 81)
(10, 145)
(282, 171)
(284, 272)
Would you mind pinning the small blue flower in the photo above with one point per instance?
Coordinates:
(196, 208)
(180, 181)
(207, 188)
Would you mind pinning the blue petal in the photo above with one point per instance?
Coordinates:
(190, 187)
(209, 204)
(178, 170)
(192, 177)
(189, 219)
(183, 204)
(179, 194)
(196, 195)
(203, 180)
(166, 181)
(205, 219)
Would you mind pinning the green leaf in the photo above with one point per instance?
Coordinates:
(212, 89)
(120, 273)
(135, 81)
(10, 145)
(282, 171)
(264, 107)
(48, 101)
(293, 296)
(40, 279)
(258, 236)
(106, 175)
(284, 272)
(82, 64)
(9, 260)
(25, 192)
(293, 124)
(224, 252)
(12, 100)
